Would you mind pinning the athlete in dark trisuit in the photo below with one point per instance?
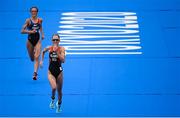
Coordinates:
(33, 27)
(55, 72)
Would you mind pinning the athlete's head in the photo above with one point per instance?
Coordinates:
(34, 11)
(55, 39)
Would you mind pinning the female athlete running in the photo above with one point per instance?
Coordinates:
(55, 74)
(33, 27)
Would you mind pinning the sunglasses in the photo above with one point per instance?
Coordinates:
(55, 39)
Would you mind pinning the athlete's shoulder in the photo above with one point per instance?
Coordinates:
(50, 48)
(40, 20)
(28, 20)
(62, 47)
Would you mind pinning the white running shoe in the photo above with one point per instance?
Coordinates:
(52, 104)
(58, 107)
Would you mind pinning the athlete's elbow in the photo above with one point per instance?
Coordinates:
(22, 31)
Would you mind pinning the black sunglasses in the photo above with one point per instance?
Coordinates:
(55, 39)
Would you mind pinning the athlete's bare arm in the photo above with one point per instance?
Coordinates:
(24, 28)
(61, 54)
(41, 29)
(43, 53)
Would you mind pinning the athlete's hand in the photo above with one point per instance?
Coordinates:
(42, 37)
(41, 64)
(32, 31)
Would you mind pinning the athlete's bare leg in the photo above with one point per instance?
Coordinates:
(59, 84)
(37, 52)
(52, 81)
(30, 49)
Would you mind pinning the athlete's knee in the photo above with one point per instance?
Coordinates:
(59, 88)
(36, 57)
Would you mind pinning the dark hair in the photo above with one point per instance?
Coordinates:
(34, 7)
(56, 35)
